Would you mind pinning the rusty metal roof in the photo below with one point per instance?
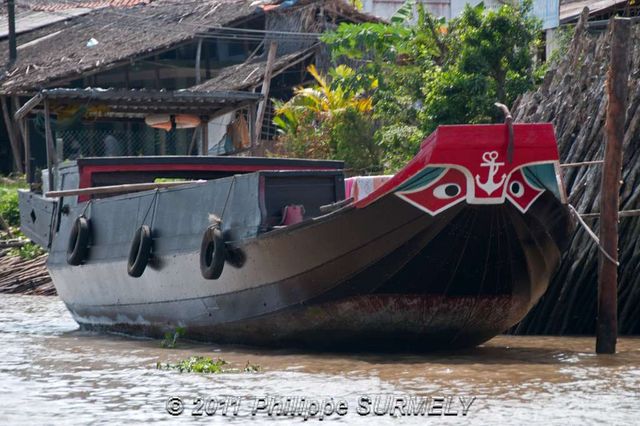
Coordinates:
(139, 102)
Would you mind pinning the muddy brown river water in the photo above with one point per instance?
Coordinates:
(53, 373)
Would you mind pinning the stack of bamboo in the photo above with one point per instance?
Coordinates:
(25, 276)
(573, 98)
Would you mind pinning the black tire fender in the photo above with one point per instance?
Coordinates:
(78, 245)
(212, 253)
(140, 251)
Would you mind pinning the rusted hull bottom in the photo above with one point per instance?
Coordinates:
(391, 322)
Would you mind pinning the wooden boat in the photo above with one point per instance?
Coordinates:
(453, 249)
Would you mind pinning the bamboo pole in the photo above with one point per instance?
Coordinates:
(266, 84)
(118, 189)
(617, 83)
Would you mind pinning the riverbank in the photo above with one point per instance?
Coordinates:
(22, 264)
(24, 276)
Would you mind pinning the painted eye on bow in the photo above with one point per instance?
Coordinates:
(446, 191)
(516, 188)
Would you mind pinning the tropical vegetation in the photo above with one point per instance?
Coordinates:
(10, 219)
(405, 78)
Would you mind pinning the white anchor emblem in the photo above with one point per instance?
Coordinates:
(489, 160)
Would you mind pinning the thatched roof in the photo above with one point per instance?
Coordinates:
(250, 74)
(59, 52)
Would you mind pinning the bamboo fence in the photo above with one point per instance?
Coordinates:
(573, 97)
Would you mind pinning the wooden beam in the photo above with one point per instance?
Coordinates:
(205, 135)
(27, 107)
(266, 84)
(617, 84)
(118, 189)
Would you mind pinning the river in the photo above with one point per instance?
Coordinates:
(53, 373)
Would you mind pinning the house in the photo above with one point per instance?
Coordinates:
(161, 45)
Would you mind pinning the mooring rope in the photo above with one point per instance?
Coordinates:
(152, 203)
(224, 209)
(593, 236)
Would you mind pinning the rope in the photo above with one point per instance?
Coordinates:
(593, 236)
(86, 206)
(583, 163)
(155, 207)
(224, 209)
(151, 204)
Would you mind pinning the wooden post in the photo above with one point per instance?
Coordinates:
(251, 118)
(27, 156)
(617, 83)
(198, 55)
(27, 150)
(266, 84)
(51, 160)
(205, 135)
(11, 17)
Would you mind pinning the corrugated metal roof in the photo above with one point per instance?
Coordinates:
(32, 20)
(31, 15)
(570, 11)
(145, 101)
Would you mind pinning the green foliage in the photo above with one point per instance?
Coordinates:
(497, 44)
(28, 251)
(206, 365)
(564, 37)
(357, 4)
(196, 364)
(404, 13)
(416, 77)
(400, 142)
(10, 214)
(489, 58)
(331, 119)
(9, 206)
(9, 199)
(171, 337)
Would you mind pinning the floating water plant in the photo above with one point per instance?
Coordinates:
(196, 364)
(206, 365)
(171, 337)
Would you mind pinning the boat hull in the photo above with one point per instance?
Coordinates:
(387, 276)
(454, 248)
